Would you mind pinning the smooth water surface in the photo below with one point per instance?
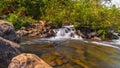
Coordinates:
(74, 54)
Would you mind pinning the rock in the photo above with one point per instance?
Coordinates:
(44, 35)
(118, 34)
(7, 31)
(59, 62)
(92, 34)
(53, 63)
(79, 33)
(112, 36)
(42, 23)
(96, 38)
(38, 29)
(23, 28)
(51, 33)
(21, 33)
(72, 35)
(8, 50)
(28, 61)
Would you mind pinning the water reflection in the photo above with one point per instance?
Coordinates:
(75, 54)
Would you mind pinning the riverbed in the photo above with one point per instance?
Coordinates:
(73, 53)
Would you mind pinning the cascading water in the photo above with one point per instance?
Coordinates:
(60, 46)
(61, 34)
(115, 41)
(66, 32)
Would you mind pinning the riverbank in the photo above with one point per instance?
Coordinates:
(44, 29)
(64, 50)
(11, 55)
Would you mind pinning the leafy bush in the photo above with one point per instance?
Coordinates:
(90, 13)
(18, 20)
(57, 11)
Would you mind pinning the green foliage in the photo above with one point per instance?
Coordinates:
(90, 13)
(97, 16)
(57, 11)
(18, 20)
(20, 12)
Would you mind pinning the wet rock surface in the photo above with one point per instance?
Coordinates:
(26, 60)
(38, 30)
(8, 43)
(8, 50)
(88, 33)
(7, 31)
(76, 54)
(66, 54)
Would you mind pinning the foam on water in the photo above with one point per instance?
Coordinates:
(105, 44)
(68, 32)
(116, 41)
(64, 33)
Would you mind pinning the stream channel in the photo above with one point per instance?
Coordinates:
(66, 51)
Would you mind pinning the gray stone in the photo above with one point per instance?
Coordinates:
(7, 31)
(8, 50)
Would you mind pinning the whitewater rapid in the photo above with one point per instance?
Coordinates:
(65, 32)
(68, 32)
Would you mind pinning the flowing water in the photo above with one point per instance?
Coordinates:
(68, 50)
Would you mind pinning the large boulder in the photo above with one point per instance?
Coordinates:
(8, 50)
(28, 61)
(7, 31)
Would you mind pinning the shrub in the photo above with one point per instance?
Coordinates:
(18, 20)
(90, 13)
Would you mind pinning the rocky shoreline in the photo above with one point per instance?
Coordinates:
(10, 50)
(11, 55)
(44, 29)
(40, 30)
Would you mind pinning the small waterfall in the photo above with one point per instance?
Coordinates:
(66, 32)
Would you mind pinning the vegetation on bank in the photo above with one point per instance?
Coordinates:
(81, 13)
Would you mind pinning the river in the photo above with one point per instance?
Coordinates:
(67, 52)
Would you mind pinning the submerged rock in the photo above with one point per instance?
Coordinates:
(7, 31)
(28, 61)
(8, 50)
